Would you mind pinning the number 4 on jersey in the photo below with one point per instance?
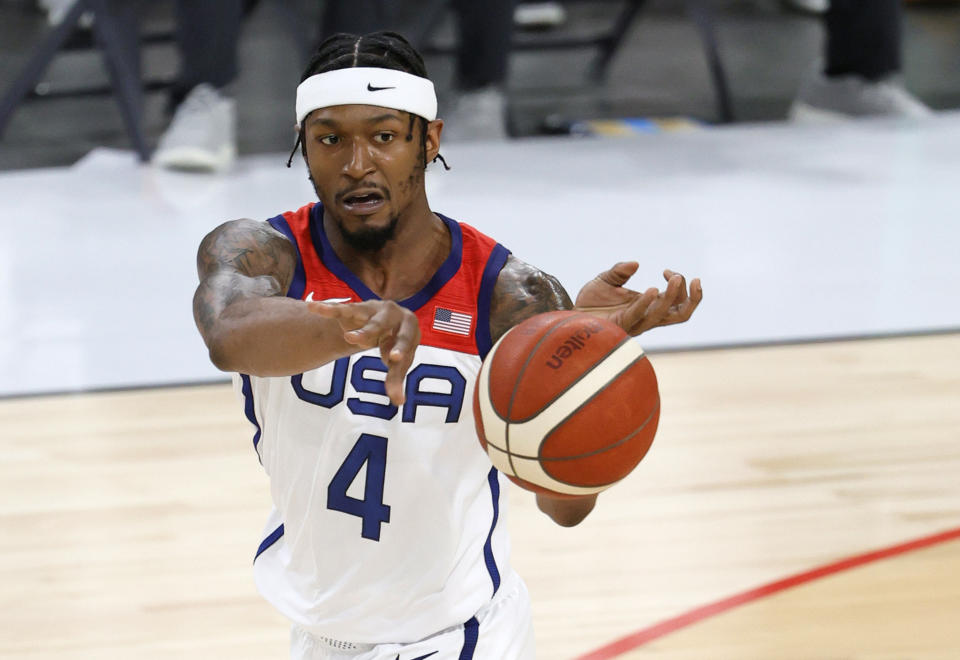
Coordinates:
(372, 450)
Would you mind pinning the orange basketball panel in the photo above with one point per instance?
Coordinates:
(556, 358)
(608, 417)
(608, 465)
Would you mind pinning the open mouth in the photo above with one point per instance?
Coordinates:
(364, 203)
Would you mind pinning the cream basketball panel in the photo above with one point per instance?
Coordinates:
(494, 426)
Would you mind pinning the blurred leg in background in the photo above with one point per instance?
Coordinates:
(860, 76)
(203, 133)
(56, 10)
(485, 31)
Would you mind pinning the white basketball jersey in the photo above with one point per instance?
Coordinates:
(388, 524)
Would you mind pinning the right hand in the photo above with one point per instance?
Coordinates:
(383, 323)
(607, 297)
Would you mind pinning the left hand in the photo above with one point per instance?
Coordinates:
(606, 297)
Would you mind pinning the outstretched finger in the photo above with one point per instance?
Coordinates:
(397, 368)
(696, 290)
(696, 295)
(633, 316)
(685, 310)
(667, 300)
(349, 315)
(659, 310)
(404, 343)
(668, 275)
(372, 332)
(386, 343)
(620, 273)
(398, 353)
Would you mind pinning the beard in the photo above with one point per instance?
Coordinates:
(368, 239)
(364, 239)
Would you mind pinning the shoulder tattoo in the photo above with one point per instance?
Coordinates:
(523, 291)
(248, 247)
(240, 259)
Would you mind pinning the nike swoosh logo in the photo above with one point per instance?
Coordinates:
(420, 657)
(309, 298)
(371, 88)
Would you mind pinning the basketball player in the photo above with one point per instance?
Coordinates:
(356, 326)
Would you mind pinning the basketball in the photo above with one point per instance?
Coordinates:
(566, 404)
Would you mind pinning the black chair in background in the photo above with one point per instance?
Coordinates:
(116, 33)
(606, 44)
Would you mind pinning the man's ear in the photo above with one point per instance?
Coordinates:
(434, 129)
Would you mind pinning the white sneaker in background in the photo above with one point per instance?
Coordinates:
(809, 6)
(479, 114)
(539, 15)
(831, 98)
(203, 134)
(57, 10)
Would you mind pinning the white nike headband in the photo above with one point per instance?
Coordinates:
(386, 88)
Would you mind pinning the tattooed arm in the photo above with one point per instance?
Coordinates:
(240, 307)
(523, 291)
(250, 326)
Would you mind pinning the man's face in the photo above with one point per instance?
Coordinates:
(365, 170)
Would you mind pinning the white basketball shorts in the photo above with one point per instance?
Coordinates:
(502, 630)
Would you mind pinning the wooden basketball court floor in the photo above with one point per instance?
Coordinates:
(130, 519)
(801, 500)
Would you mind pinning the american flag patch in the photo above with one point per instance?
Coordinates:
(447, 320)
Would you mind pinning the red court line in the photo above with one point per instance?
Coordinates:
(657, 630)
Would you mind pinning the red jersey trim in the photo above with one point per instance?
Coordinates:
(462, 286)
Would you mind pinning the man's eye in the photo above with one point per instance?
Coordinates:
(383, 137)
(329, 139)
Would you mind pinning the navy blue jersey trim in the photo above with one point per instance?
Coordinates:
(471, 632)
(299, 276)
(444, 274)
(498, 257)
(247, 390)
(491, 562)
(270, 540)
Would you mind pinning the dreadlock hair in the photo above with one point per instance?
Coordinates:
(384, 50)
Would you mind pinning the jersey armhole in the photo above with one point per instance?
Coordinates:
(299, 281)
(495, 262)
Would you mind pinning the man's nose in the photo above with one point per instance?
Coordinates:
(360, 162)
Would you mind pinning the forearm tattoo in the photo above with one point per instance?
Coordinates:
(523, 291)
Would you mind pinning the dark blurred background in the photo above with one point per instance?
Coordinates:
(767, 46)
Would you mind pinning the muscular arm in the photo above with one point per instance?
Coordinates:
(240, 307)
(523, 291)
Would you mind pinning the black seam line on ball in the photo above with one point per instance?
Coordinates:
(596, 366)
(574, 412)
(513, 394)
(612, 445)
